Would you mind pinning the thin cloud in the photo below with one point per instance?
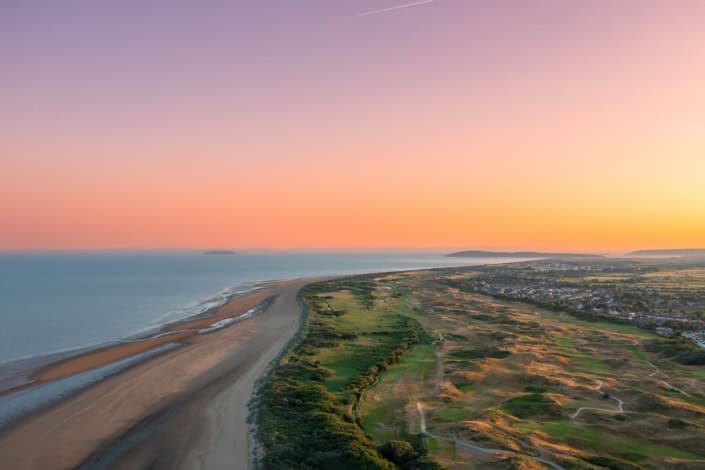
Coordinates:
(389, 9)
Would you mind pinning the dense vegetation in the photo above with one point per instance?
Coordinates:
(679, 349)
(307, 414)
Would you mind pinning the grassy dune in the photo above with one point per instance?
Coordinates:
(486, 372)
(509, 375)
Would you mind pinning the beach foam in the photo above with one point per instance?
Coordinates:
(18, 404)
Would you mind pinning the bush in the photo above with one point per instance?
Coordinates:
(670, 347)
(423, 463)
(611, 463)
(480, 353)
(650, 403)
(398, 452)
(675, 423)
(690, 358)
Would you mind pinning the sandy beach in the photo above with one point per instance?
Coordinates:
(186, 408)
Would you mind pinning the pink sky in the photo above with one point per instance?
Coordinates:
(278, 124)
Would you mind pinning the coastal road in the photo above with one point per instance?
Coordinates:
(183, 409)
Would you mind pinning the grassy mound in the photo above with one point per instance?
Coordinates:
(531, 405)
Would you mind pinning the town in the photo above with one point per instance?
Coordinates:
(664, 296)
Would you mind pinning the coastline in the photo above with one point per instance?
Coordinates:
(19, 374)
(183, 391)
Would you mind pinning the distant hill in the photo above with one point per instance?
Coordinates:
(219, 252)
(517, 254)
(681, 252)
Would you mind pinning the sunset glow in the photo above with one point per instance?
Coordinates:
(280, 124)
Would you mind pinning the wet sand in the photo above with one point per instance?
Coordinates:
(176, 332)
(184, 409)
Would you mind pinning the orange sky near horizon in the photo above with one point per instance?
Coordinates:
(450, 124)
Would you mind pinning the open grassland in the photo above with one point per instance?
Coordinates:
(539, 383)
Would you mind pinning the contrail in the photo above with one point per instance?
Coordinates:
(385, 10)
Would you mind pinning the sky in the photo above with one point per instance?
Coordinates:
(352, 124)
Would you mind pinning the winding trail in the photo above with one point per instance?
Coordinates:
(475, 448)
(664, 383)
(656, 369)
(668, 385)
(620, 404)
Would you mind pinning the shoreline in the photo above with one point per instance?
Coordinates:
(53, 366)
(217, 352)
(170, 405)
(28, 366)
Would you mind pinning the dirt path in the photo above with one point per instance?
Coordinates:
(664, 383)
(475, 448)
(598, 388)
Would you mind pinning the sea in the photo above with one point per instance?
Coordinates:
(58, 303)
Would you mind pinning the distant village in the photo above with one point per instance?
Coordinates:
(578, 288)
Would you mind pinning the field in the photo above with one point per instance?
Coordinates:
(540, 383)
(477, 382)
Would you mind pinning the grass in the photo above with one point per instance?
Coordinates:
(382, 411)
(508, 369)
(306, 407)
(637, 352)
(348, 360)
(453, 412)
(698, 373)
(588, 364)
(380, 421)
(532, 405)
(418, 362)
(597, 441)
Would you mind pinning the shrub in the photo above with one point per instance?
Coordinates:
(675, 423)
(648, 402)
(398, 452)
(691, 358)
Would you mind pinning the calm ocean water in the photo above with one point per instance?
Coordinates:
(59, 302)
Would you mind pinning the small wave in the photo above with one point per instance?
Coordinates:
(203, 305)
(15, 405)
(229, 321)
(174, 317)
